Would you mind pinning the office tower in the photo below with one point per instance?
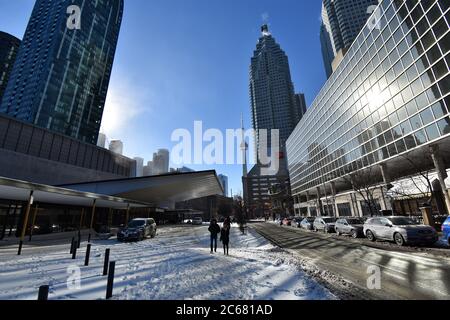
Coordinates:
(383, 115)
(61, 75)
(139, 167)
(148, 169)
(161, 162)
(224, 182)
(273, 103)
(101, 142)
(342, 20)
(9, 45)
(116, 146)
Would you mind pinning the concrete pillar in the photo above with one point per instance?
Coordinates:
(441, 172)
(386, 180)
(318, 203)
(308, 198)
(333, 199)
(355, 208)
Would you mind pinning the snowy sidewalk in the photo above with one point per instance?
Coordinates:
(176, 265)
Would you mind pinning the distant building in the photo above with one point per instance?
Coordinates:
(101, 142)
(139, 167)
(61, 76)
(9, 45)
(116, 146)
(161, 162)
(185, 170)
(224, 182)
(342, 20)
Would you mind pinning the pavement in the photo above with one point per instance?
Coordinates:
(406, 274)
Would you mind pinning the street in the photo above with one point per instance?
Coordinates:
(405, 274)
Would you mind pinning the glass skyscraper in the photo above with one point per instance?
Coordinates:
(61, 75)
(389, 97)
(342, 20)
(9, 45)
(274, 104)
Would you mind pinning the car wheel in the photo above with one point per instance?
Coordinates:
(399, 240)
(354, 234)
(370, 235)
(315, 229)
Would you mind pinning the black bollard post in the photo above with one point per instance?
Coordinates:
(105, 265)
(43, 293)
(88, 253)
(71, 245)
(20, 248)
(79, 239)
(74, 252)
(89, 238)
(110, 285)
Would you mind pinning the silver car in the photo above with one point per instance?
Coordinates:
(350, 226)
(307, 223)
(325, 224)
(401, 230)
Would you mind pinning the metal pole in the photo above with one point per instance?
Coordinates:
(88, 253)
(105, 264)
(34, 222)
(43, 293)
(92, 219)
(74, 252)
(110, 285)
(25, 222)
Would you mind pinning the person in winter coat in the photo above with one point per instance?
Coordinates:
(214, 230)
(225, 238)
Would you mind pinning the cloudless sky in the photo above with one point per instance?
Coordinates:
(179, 61)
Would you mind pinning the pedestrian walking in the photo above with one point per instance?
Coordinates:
(225, 238)
(214, 230)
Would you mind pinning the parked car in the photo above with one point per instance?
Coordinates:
(350, 226)
(401, 230)
(446, 230)
(296, 222)
(325, 224)
(287, 221)
(197, 221)
(307, 223)
(138, 230)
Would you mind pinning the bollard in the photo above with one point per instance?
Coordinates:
(79, 239)
(20, 248)
(43, 293)
(110, 285)
(105, 265)
(71, 245)
(74, 252)
(89, 238)
(88, 253)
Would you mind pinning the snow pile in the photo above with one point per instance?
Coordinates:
(177, 265)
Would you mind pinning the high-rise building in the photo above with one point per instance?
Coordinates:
(62, 72)
(274, 106)
(272, 95)
(342, 20)
(101, 141)
(161, 162)
(224, 182)
(116, 146)
(139, 167)
(148, 169)
(9, 45)
(384, 114)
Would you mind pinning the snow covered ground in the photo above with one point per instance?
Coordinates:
(177, 265)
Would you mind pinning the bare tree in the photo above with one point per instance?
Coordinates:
(239, 212)
(363, 183)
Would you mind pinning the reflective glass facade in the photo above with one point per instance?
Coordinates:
(389, 95)
(61, 75)
(9, 45)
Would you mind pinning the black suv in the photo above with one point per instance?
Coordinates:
(138, 230)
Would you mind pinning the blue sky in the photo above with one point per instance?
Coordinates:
(179, 61)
